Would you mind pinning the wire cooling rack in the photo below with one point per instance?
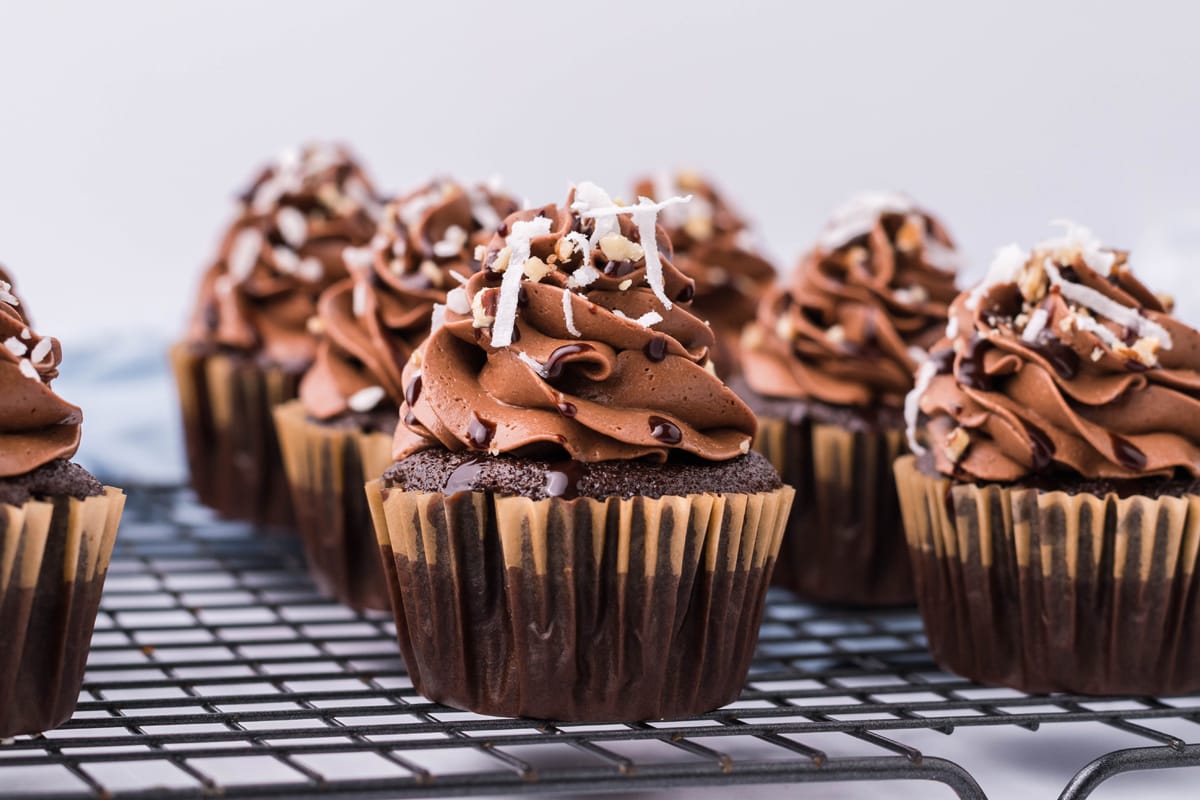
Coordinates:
(217, 670)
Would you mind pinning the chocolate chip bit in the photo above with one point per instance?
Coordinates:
(1061, 362)
(369, 324)
(282, 250)
(36, 425)
(572, 340)
(861, 312)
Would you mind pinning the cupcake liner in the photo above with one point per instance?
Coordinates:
(1050, 591)
(326, 468)
(54, 555)
(232, 448)
(844, 543)
(585, 610)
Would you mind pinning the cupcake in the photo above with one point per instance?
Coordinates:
(250, 338)
(827, 364)
(339, 433)
(574, 527)
(714, 247)
(57, 527)
(1052, 511)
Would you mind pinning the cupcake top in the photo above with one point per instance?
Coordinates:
(371, 322)
(36, 425)
(575, 338)
(863, 307)
(283, 249)
(1061, 362)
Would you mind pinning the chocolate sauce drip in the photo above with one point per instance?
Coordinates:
(619, 269)
(656, 348)
(413, 391)
(1062, 358)
(970, 368)
(567, 409)
(665, 431)
(554, 365)
(1041, 446)
(480, 432)
(463, 477)
(1127, 453)
(943, 360)
(562, 479)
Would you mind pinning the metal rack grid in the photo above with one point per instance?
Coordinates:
(217, 670)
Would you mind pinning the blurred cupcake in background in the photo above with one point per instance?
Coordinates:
(575, 527)
(339, 433)
(57, 528)
(714, 247)
(827, 365)
(1053, 514)
(250, 338)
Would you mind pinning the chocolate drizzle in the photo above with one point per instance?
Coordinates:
(480, 432)
(562, 480)
(665, 431)
(656, 348)
(1062, 358)
(557, 360)
(971, 371)
(1127, 453)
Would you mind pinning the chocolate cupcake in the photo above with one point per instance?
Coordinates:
(714, 247)
(339, 433)
(250, 338)
(827, 365)
(57, 528)
(1052, 511)
(574, 527)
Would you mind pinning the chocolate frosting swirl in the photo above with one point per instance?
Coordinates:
(283, 249)
(1062, 362)
(371, 321)
(713, 247)
(588, 350)
(36, 425)
(863, 307)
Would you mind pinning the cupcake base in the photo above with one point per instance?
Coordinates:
(232, 449)
(327, 465)
(844, 543)
(54, 556)
(588, 609)
(1046, 591)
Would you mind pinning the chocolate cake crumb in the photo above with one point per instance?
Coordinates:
(59, 478)
(537, 479)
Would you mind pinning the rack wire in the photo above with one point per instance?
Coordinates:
(216, 669)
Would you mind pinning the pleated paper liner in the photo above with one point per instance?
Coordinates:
(232, 448)
(844, 543)
(1050, 591)
(326, 468)
(583, 610)
(54, 555)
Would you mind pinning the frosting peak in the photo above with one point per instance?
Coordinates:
(283, 249)
(1061, 360)
(574, 338)
(370, 322)
(36, 425)
(862, 309)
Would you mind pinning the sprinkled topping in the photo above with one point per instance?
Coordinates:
(645, 216)
(519, 241)
(1122, 315)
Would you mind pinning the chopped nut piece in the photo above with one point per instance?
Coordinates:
(784, 328)
(1144, 351)
(710, 368)
(1168, 301)
(752, 337)
(481, 319)
(699, 228)
(564, 249)
(501, 262)
(911, 295)
(1066, 323)
(617, 248)
(625, 284)
(536, 269)
(1097, 353)
(1032, 281)
(430, 270)
(415, 359)
(836, 334)
(314, 325)
(480, 251)
(745, 445)
(956, 445)
(911, 234)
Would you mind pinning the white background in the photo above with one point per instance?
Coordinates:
(126, 127)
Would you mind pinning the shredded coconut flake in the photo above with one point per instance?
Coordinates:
(482, 210)
(1092, 326)
(645, 216)
(857, 216)
(28, 370)
(649, 318)
(366, 399)
(436, 320)
(358, 299)
(452, 242)
(519, 241)
(310, 269)
(358, 258)
(1078, 237)
(917, 354)
(1037, 324)
(533, 363)
(458, 276)
(293, 226)
(456, 301)
(589, 196)
(569, 314)
(912, 404)
(41, 350)
(15, 346)
(243, 253)
(6, 294)
(1106, 307)
(586, 274)
(1005, 266)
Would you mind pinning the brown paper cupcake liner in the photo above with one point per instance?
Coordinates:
(844, 542)
(232, 448)
(326, 468)
(1050, 591)
(586, 610)
(54, 555)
